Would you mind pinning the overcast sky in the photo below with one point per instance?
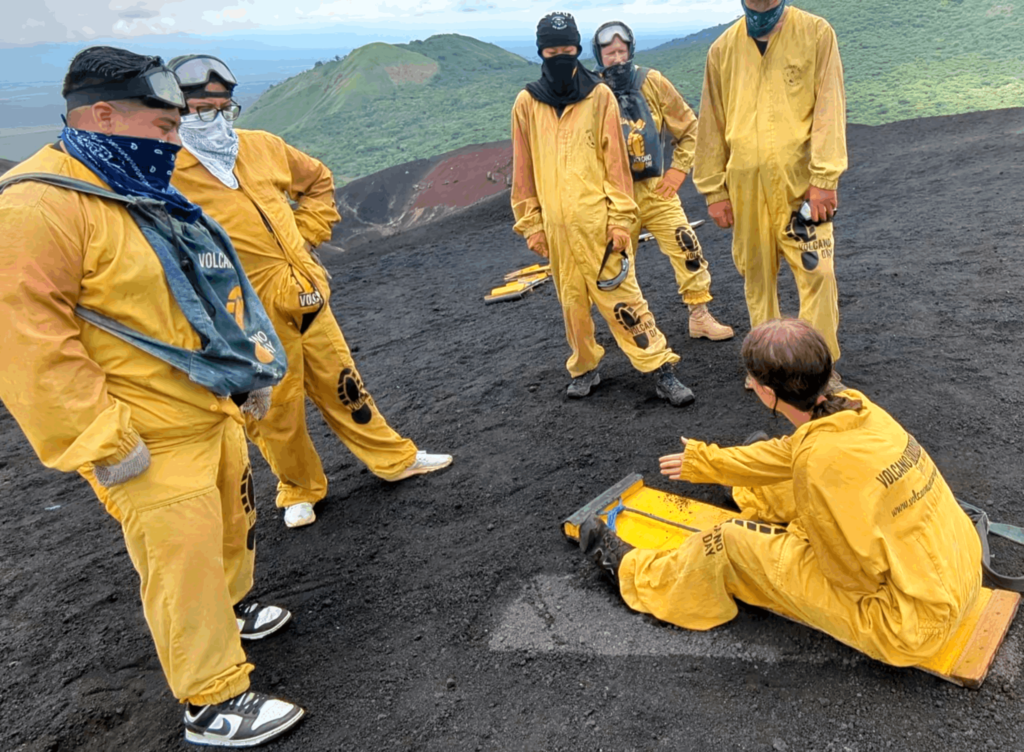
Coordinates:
(41, 21)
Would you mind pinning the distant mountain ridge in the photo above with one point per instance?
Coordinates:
(901, 61)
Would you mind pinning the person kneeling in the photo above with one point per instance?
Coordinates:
(858, 534)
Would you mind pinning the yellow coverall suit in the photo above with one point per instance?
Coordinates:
(858, 536)
(664, 217)
(770, 127)
(84, 397)
(571, 179)
(271, 238)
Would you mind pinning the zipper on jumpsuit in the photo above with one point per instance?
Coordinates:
(293, 267)
(767, 129)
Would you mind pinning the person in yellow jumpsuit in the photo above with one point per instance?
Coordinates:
(772, 136)
(650, 105)
(137, 373)
(244, 180)
(847, 525)
(572, 201)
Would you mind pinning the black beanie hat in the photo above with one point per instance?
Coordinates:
(557, 30)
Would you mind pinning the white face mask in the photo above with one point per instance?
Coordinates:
(214, 144)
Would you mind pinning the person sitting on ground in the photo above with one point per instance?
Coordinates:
(650, 104)
(847, 524)
(572, 197)
(133, 347)
(244, 180)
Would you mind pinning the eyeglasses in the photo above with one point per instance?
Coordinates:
(606, 35)
(208, 113)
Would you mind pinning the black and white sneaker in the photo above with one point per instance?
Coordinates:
(256, 622)
(244, 721)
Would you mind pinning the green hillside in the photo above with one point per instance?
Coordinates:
(387, 104)
(903, 60)
(377, 108)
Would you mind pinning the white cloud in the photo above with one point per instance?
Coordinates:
(55, 20)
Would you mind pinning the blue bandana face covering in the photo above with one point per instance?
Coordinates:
(132, 166)
(759, 24)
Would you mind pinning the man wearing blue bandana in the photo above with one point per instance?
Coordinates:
(771, 147)
(134, 345)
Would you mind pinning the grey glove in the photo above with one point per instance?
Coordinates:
(134, 464)
(258, 403)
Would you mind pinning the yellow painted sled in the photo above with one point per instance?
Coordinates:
(656, 519)
(519, 282)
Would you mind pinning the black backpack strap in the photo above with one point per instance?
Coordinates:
(640, 76)
(1010, 532)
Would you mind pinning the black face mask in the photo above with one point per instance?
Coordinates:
(619, 77)
(558, 72)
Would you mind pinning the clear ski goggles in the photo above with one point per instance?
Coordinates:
(606, 34)
(195, 70)
(157, 86)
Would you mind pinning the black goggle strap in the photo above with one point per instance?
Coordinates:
(159, 84)
(618, 279)
(207, 94)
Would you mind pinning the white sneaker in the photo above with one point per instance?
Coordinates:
(244, 721)
(425, 463)
(256, 622)
(299, 514)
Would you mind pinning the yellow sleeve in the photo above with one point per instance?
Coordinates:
(312, 188)
(712, 152)
(525, 202)
(828, 131)
(679, 120)
(618, 180)
(760, 464)
(48, 382)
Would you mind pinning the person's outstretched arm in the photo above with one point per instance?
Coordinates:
(760, 464)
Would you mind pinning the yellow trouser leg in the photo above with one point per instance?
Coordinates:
(810, 252)
(576, 304)
(282, 436)
(188, 526)
(334, 385)
(754, 251)
(666, 220)
(694, 586)
(773, 503)
(624, 309)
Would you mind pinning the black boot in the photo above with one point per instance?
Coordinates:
(603, 547)
(668, 387)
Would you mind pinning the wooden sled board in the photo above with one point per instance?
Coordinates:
(661, 520)
(516, 289)
(528, 271)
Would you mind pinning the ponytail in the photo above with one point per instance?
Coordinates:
(834, 403)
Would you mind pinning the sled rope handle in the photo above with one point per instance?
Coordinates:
(982, 524)
(620, 507)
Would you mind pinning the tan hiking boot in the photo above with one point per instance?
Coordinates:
(703, 324)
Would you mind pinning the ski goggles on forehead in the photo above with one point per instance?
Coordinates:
(607, 34)
(196, 70)
(156, 86)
